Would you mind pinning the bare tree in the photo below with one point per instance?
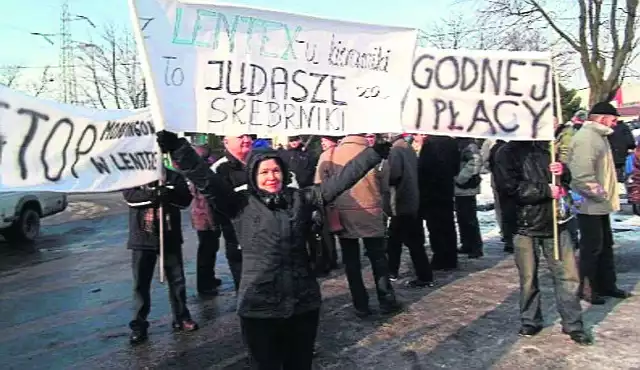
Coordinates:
(41, 86)
(9, 75)
(110, 71)
(603, 35)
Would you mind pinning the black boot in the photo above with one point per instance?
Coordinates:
(139, 332)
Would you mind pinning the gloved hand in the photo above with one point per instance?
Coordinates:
(383, 148)
(168, 141)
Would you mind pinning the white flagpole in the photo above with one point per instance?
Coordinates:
(156, 112)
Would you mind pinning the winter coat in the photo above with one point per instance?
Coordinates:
(277, 280)
(468, 180)
(621, 142)
(593, 171)
(201, 214)
(144, 216)
(302, 164)
(564, 134)
(523, 175)
(438, 165)
(402, 175)
(360, 208)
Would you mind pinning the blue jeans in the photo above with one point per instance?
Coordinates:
(565, 279)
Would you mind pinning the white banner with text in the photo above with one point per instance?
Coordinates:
(481, 94)
(228, 70)
(48, 146)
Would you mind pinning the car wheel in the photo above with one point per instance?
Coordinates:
(26, 228)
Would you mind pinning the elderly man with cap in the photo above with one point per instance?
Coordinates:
(593, 174)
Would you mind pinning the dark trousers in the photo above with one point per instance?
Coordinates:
(408, 230)
(208, 246)
(442, 234)
(509, 218)
(563, 272)
(143, 264)
(232, 252)
(281, 344)
(574, 230)
(597, 269)
(377, 254)
(468, 226)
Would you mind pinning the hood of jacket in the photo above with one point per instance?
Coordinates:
(602, 130)
(252, 171)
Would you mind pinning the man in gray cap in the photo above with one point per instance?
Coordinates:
(593, 174)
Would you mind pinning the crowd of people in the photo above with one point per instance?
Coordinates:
(285, 213)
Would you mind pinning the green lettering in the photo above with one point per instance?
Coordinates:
(176, 30)
(230, 29)
(198, 26)
(268, 26)
(251, 21)
(291, 41)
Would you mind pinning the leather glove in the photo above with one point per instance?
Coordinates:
(168, 141)
(383, 148)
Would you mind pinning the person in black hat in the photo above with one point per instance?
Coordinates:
(593, 177)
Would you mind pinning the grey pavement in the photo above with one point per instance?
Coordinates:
(65, 304)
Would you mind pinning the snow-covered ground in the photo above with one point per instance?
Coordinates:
(624, 223)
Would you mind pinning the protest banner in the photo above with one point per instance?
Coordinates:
(47, 146)
(481, 94)
(228, 70)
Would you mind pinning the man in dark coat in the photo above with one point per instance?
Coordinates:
(300, 161)
(144, 240)
(438, 165)
(231, 168)
(405, 226)
(507, 203)
(622, 143)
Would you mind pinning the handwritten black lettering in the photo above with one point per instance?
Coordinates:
(118, 129)
(480, 115)
(277, 83)
(321, 77)
(94, 137)
(133, 161)
(456, 73)
(494, 75)
(537, 116)
(100, 164)
(496, 116)
(544, 89)
(257, 112)
(468, 65)
(173, 76)
(45, 146)
(342, 56)
(511, 78)
(279, 80)
(145, 25)
(36, 117)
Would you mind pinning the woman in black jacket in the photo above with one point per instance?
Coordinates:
(279, 298)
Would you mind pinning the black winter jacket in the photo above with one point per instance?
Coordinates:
(302, 164)
(523, 175)
(621, 141)
(144, 226)
(277, 280)
(438, 165)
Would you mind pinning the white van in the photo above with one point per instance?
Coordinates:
(20, 213)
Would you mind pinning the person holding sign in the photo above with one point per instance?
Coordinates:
(144, 239)
(279, 297)
(526, 174)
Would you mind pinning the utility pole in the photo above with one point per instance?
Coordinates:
(67, 60)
